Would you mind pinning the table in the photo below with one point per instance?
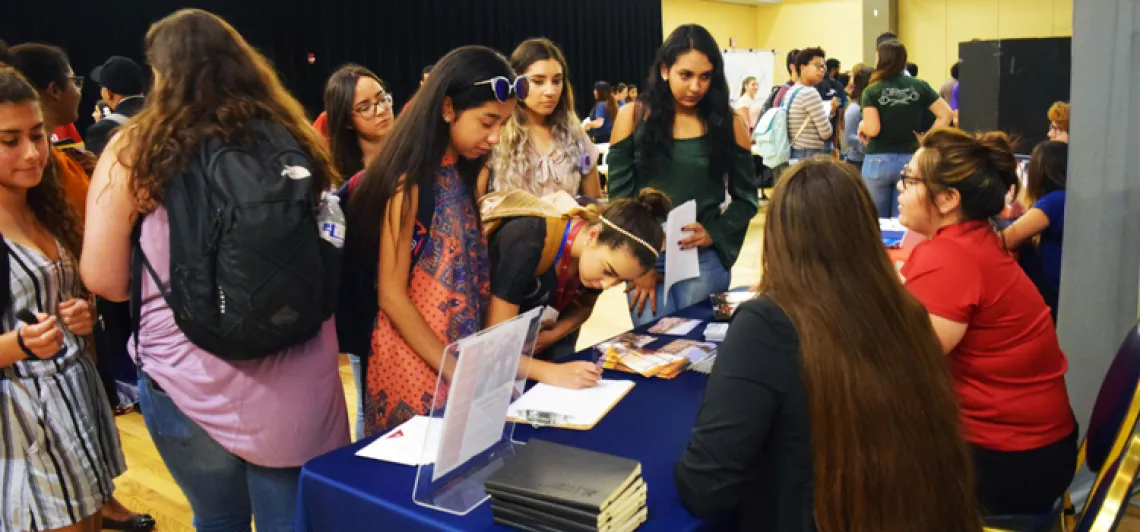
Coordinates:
(340, 491)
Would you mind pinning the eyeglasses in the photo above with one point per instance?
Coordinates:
(78, 81)
(372, 109)
(820, 66)
(907, 179)
(503, 87)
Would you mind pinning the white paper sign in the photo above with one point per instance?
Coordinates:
(481, 388)
(405, 444)
(680, 264)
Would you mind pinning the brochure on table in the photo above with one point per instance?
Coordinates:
(479, 378)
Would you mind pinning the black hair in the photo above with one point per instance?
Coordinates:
(790, 62)
(832, 63)
(843, 79)
(427, 69)
(340, 95)
(642, 217)
(419, 140)
(886, 36)
(621, 86)
(954, 70)
(654, 139)
(5, 54)
(1047, 170)
(41, 64)
(806, 55)
(912, 69)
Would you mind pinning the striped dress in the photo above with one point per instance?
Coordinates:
(59, 448)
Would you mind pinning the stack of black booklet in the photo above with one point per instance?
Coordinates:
(549, 487)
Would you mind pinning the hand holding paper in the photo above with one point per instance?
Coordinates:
(698, 237)
(681, 261)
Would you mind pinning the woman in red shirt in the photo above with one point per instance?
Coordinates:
(1008, 369)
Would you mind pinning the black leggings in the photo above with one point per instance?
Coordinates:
(1024, 482)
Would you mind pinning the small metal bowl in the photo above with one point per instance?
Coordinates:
(725, 303)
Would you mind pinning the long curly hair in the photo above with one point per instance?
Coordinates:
(657, 110)
(209, 82)
(46, 200)
(509, 162)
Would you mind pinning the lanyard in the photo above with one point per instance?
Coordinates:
(567, 286)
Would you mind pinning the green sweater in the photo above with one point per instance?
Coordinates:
(687, 178)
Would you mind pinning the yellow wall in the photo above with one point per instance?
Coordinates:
(834, 25)
(722, 20)
(932, 29)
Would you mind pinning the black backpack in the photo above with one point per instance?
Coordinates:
(249, 273)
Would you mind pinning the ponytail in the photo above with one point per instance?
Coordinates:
(636, 224)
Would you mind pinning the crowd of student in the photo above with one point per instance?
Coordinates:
(844, 390)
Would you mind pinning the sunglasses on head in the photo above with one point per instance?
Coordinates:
(503, 87)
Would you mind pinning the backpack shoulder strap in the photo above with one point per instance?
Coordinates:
(791, 99)
(551, 244)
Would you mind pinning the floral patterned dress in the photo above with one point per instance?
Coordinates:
(450, 286)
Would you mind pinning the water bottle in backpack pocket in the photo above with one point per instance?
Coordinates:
(331, 220)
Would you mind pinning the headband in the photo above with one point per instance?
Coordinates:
(630, 235)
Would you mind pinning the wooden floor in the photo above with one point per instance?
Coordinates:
(147, 486)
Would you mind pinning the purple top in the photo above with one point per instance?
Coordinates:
(954, 97)
(279, 411)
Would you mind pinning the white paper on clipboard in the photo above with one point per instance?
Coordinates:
(680, 264)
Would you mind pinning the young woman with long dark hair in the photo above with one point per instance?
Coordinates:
(830, 406)
(1039, 233)
(683, 138)
(993, 325)
(49, 70)
(893, 108)
(542, 149)
(233, 434)
(605, 108)
(358, 116)
(60, 452)
(415, 211)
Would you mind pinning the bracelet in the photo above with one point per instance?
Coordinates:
(23, 347)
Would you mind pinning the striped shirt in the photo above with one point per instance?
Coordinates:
(60, 449)
(808, 107)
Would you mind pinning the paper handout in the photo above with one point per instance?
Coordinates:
(576, 408)
(680, 264)
(405, 444)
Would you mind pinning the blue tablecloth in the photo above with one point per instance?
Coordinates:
(340, 491)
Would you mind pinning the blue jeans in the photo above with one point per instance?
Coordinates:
(799, 154)
(224, 491)
(354, 361)
(714, 278)
(881, 174)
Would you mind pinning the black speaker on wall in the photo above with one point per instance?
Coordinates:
(1009, 84)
